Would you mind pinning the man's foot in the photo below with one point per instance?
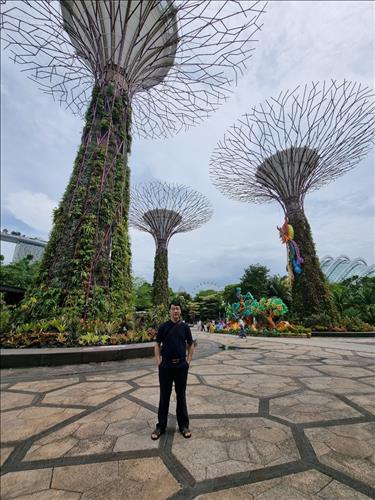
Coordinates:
(186, 433)
(156, 434)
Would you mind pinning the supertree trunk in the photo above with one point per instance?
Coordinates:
(87, 263)
(160, 295)
(310, 293)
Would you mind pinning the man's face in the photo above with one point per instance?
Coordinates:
(175, 312)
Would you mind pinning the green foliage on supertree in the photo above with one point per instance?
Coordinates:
(86, 267)
(160, 291)
(310, 290)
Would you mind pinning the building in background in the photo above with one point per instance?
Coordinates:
(338, 269)
(24, 245)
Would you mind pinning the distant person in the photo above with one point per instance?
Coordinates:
(172, 341)
(242, 333)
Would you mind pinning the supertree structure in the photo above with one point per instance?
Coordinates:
(153, 67)
(163, 210)
(291, 145)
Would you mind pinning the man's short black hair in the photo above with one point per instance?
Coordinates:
(174, 302)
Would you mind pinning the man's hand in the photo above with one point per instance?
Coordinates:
(157, 354)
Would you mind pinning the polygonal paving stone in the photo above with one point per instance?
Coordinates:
(232, 445)
(205, 400)
(21, 424)
(140, 479)
(368, 380)
(150, 395)
(87, 393)
(336, 385)
(200, 400)
(116, 376)
(119, 426)
(347, 448)
(4, 454)
(44, 385)
(302, 361)
(245, 356)
(308, 485)
(344, 362)
(279, 355)
(247, 362)
(152, 380)
(15, 484)
(338, 352)
(287, 370)
(345, 371)
(311, 406)
(366, 401)
(218, 369)
(15, 400)
(254, 384)
(51, 494)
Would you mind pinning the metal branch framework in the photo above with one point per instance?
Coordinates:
(176, 60)
(286, 147)
(153, 67)
(295, 143)
(163, 210)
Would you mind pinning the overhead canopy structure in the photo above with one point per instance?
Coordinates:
(131, 42)
(286, 172)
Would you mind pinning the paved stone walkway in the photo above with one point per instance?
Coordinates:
(271, 419)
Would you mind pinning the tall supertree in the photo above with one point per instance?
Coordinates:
(163, 210)
(153, 67)
(291, 145)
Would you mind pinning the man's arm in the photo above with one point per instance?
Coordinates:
(190, 350)
(157, 353)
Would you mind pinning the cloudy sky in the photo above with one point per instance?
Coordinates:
(300, 42)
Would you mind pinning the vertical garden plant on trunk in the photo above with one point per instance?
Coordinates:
(86, 265)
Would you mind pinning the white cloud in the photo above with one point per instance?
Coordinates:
(34, 209)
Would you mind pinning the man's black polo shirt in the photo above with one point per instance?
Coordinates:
(173, 344)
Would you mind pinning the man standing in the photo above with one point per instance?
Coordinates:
(172, 340)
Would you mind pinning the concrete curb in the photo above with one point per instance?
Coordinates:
(343, 334)
(23, 358)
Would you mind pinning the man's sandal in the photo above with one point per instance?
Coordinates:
(186, 433)
(156, 434)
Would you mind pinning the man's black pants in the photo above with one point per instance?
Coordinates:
(167, 375)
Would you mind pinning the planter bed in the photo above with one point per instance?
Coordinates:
(23, 358)
(343, 334)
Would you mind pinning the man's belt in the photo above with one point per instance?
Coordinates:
(175, 360)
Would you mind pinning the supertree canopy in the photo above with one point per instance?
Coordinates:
(290, 145)
(163, 210)
(155, 67)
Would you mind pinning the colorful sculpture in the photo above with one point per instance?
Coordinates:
(295, 259)
(254, 313)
